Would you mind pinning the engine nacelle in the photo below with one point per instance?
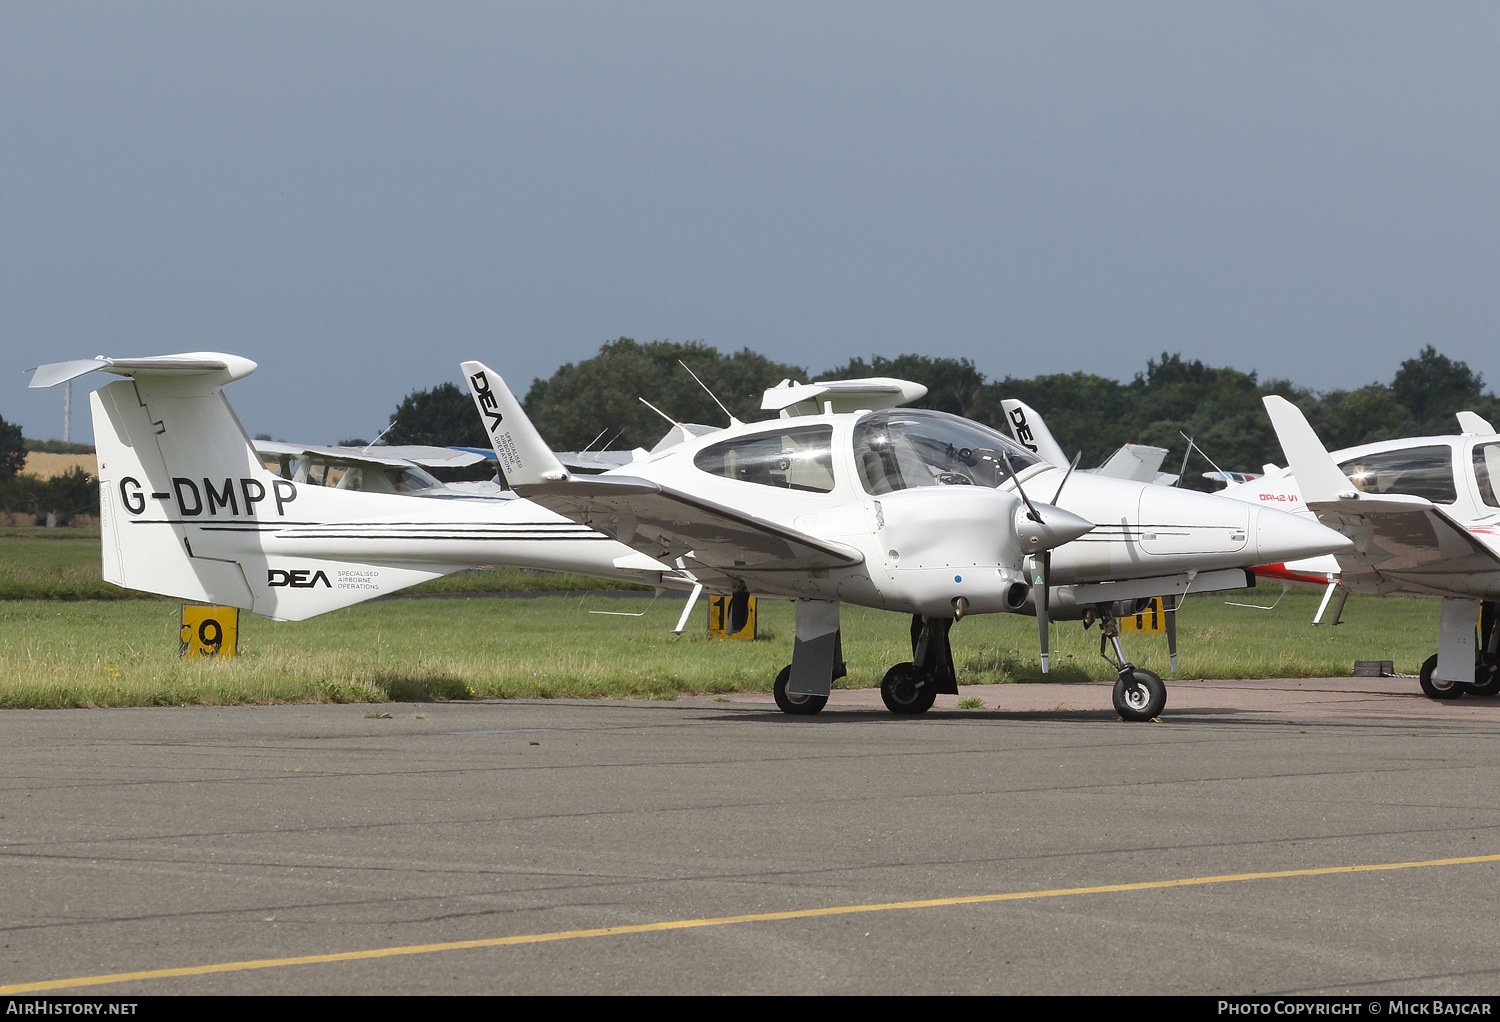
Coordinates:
(939, 544)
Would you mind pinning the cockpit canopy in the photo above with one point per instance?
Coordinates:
(906, 447)
(790, 458)
(894, 449)
(1419, 471)
(1425, 471)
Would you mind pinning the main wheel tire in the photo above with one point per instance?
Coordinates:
(907, 690)
(1435, 689)
(1486, 681)
(1143, 697)
(802, 706)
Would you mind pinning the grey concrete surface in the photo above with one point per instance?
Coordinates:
(144, 839)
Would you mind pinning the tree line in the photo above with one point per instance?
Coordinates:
(75, 492)
(594, 403)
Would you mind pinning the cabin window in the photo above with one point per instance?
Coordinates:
(907, 447)
(1486, 471)
(790, 459)
(1419, 471)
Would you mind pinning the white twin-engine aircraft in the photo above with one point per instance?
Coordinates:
(1424, 517)
(850, 498)
(845, 498)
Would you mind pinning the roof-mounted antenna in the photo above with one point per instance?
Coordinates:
(732, 420)
(658, 411)
(1182, 472)
(1193, 443)
(595, 440)
(382, 433)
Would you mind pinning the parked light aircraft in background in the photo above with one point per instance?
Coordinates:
(394, 469)
(1424, 517)
(849, 497)
(846, 498)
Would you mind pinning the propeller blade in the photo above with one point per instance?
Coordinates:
(1066, 476)
(1042, 568)
(1030, 510)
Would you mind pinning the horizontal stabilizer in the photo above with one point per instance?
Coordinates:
(193, 363)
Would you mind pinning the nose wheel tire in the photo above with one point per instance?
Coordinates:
(1140, 695)
(908, 690)
(1434, 688)
(798, 705)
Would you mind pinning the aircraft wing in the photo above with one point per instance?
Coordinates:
(1402, 543)
(1134, 461)
(715, 542)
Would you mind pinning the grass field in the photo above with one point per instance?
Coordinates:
(124, 652)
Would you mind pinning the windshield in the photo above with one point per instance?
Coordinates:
(1419, 471)
(1486, 471)
(906, 447)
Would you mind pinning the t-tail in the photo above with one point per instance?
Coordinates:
(188, 509)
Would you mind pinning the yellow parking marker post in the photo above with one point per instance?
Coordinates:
(209, 631)
(718, 619)
(1152, 620)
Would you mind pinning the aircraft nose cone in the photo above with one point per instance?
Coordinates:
(1281, 536)
(1056, 528)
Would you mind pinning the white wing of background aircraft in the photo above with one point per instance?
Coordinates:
(1424, 518)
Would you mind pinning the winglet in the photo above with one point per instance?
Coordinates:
(525, 459)
(1027, 428)
(1318, 477)
(1473, 422)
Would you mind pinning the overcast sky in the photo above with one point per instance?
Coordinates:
(359, 196)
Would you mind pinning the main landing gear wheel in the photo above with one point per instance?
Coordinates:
(1486, 681)
(908, 690)
(1432, 687)
(804, 706)
(1140, 695)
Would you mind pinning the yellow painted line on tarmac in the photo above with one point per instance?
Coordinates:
(688, 924)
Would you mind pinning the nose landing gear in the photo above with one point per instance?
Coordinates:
(1139, 694)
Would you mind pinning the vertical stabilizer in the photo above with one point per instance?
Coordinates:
(1026, 427)
(138, 493)
(1318, 477)
(525, 459)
